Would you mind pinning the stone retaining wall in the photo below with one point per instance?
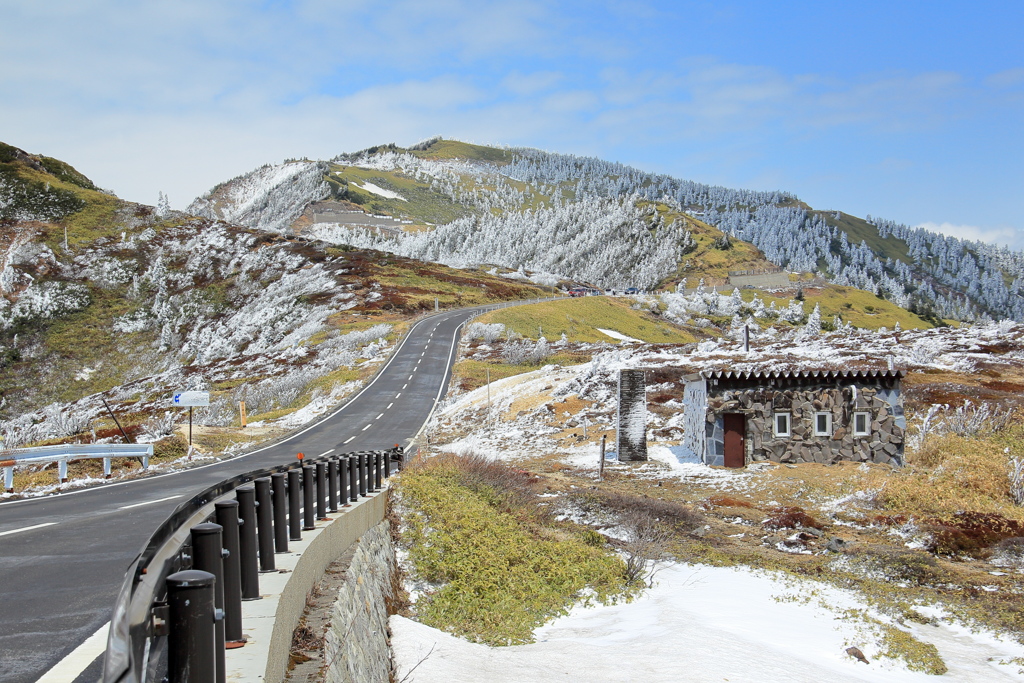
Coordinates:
(357, 648)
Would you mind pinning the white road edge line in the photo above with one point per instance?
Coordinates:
(348, 439)
(148, 502)
(72, 666)
(26, 528)
(444, 385)
(325, 453)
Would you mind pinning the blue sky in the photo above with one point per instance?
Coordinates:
(908, 110)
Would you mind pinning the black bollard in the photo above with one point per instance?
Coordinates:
(247, 542)
(191, 655)
(332, 484)
(362, 474)
(280, 488)
(295, 504)
(378, 469)
(353, 478)
(265, 524)
(343, 481)
(227, 517)
(321, 490)
(308, 510)
(208, 556)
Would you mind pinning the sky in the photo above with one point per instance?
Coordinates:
(906, 110)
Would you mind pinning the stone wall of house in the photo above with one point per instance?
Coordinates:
(356, 648)
(883, 444)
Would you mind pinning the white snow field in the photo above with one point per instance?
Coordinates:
(380, 191)
(700, 623)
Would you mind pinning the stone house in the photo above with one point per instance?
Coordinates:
(734, 418)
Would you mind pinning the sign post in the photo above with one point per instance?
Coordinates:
(191, 399)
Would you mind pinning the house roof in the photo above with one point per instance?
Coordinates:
(869, 374)
(865, 373)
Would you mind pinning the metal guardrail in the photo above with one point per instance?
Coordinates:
(64, 453)
(149, 634)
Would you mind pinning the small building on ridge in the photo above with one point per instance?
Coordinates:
(735, 418)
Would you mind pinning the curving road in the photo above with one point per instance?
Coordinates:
(63, 558)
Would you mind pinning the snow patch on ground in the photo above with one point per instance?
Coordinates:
(617, 335)
(699, 623)
(380, 191)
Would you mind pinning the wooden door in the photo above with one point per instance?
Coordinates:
(735, 431)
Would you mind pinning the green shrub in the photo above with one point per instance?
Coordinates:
(502, 572)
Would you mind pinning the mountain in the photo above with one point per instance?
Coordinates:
(103, 299)
(609, 224)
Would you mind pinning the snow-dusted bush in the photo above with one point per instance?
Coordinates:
(1017, 480)
(524, 351)
(45, 300)
(220, 412)
(488, 333)
(159, 426)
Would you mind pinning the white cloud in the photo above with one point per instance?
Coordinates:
(1006, 79)
(1004, 235)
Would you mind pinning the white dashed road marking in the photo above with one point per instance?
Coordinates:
(148, 502)
(349, 439)
(27, 528)
(367, 426)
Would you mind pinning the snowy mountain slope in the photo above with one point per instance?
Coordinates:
(137, 303)
(498, 197)
(270, 198)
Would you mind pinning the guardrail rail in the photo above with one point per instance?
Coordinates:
(64, 453)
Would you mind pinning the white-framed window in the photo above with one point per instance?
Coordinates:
(823, 424)
(783, 422)
(862, 424)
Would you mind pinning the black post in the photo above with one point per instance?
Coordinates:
(308, 511)
(208, 556)
(378, 469)
(247, 542)
(343, 478)
(294, 504)
(353, 478)
(362, 473)
(280, 489)
(190, 425)
(265, 524)
(191, 654)
(227, 517)
(332, 484)
(321, 490)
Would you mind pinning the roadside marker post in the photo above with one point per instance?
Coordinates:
(191, 652)
(294, 505)
(279, 491)
(247, 544)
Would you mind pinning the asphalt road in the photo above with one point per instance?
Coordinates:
(63, 557)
